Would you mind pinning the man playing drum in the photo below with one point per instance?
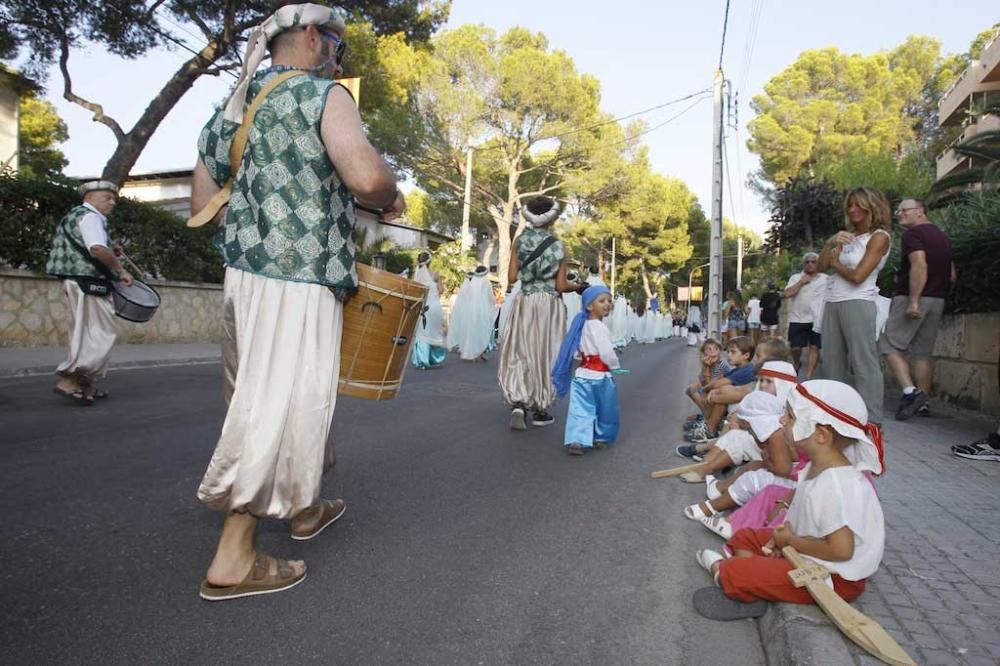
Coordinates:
(82, 257)
(286, 240)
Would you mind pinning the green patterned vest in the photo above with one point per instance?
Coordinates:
(540, 275)
(289, 217)
(66, 260)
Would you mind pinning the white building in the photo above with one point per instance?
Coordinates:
(12, 86)
(171, 190)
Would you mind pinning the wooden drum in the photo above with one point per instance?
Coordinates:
(378, 330)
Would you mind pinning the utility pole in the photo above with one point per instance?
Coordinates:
(715, 269)
(466, 206)
(739, 263)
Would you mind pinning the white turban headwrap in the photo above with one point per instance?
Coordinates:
(782, 373)
(823, 401)
(289, 16)
(97, 186)
(546, 218)
(762, 411)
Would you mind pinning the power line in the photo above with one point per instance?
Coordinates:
(725, 24)
(626, 117)
(166, 35)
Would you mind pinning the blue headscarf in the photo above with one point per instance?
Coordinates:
(564, 362)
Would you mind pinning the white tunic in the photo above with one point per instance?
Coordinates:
(837, 497)
(596, 341)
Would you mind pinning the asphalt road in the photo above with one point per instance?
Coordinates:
(463, 542)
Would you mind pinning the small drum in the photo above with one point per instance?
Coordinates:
(378, 329)
(136, 302)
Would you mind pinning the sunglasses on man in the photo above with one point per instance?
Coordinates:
(341, 45)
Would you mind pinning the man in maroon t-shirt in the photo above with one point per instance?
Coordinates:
(926, 271)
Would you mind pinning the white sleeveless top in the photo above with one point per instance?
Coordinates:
(840, 288)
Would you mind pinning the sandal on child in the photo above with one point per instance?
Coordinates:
(706, 558)
(332, 511)
(712, 487)
(719, 525)
(712, 603)
(267, 575)
(695, 512)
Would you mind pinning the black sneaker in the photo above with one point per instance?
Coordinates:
(987, 448)
(910, 403)
(517, 419)
(542, 419)
(687, 451)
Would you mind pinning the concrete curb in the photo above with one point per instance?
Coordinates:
(123, 365)
(801, 634)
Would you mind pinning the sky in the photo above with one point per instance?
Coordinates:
(644, 54)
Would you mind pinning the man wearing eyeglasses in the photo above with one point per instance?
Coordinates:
(286, 239)
(926, 271)
(802, 289)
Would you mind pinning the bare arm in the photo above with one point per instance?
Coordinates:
(918, 275)
(779, 461)
(108, 258)
(877, 246)
(838, 546)
(954, 273)
(514, 265)
(362, 170)
(797, 287)
(204, 188)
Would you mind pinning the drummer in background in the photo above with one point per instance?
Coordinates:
(81, 253)
(286, 241)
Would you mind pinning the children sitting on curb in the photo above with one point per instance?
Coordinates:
(714, 404)
(738, 446)
(713, 367)
(834, 519)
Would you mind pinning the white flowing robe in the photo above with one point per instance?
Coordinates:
(471, 328)
(430, 328)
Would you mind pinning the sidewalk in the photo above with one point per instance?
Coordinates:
(24, 362)
(938, 590)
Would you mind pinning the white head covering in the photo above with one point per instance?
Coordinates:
(289, 16)
(762, 411)
(97, 186)
(823, 401)
(782, 373)
(544, 219)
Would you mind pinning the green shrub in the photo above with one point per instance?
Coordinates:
(155, 239)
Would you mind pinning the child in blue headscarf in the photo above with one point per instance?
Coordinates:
(592, 420)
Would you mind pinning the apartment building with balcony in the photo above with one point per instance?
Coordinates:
(979, 83)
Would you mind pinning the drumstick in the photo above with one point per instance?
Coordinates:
(127, 258)
(674, 471)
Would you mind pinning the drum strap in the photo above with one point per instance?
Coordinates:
(91, 286)
(236, 150)
(537, 252)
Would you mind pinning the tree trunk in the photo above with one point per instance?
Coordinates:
(600, 262)
(645, 282)
(131, 146)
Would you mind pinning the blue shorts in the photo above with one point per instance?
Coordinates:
(801, 336)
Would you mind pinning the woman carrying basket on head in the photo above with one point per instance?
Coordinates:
(537, 322)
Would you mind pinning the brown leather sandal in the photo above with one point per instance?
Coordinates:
(332, 511)
(268, 574)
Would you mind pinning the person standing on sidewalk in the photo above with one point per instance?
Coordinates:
(770, 303)
(850, 338)
(286, 240)
(753, 319)
(926, 271)
(801, 288)
(83, 258)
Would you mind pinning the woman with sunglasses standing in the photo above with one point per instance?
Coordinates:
(850, 349)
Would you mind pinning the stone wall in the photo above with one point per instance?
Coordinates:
(33, 313)
(966, 360)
